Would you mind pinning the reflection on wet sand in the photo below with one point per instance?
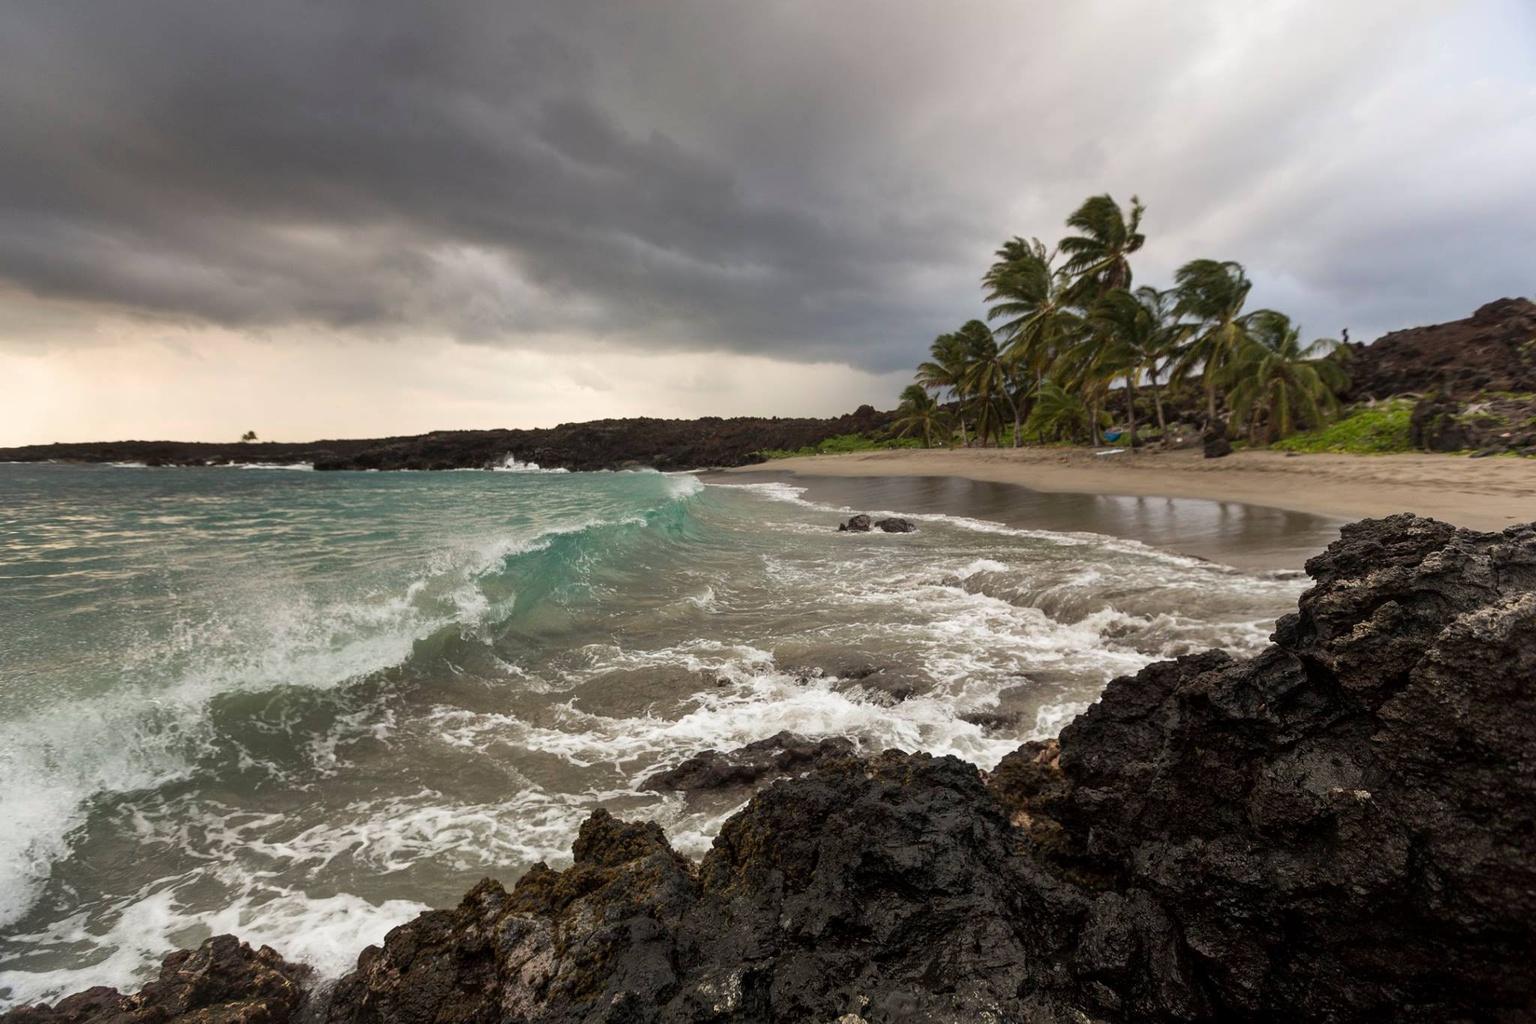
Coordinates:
(1247, 536)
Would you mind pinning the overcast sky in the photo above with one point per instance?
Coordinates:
(321, 219)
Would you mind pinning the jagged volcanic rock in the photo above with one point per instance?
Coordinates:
(782, 754)
(1342, 828)
(223, 981)
(1494, 349)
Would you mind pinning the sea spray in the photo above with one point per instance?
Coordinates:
(315, 702)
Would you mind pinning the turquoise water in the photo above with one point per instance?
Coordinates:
(304, 706)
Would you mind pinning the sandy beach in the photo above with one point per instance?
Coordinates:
(1483, 494)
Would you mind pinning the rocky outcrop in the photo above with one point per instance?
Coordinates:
(1214, 440)
(223, 981)
(779, 755)
(1492, 350)
(599, 444)
(1490, 424)
(1339, 828)
(862, 523)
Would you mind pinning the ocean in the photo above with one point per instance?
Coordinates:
(303, 707)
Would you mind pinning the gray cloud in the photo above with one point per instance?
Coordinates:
(797, 179)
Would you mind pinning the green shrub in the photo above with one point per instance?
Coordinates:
(1369, 430)
(842, 444)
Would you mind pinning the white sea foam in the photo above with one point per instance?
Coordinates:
(987, 617)
(512, 464)
(137, 738)
(326, 932)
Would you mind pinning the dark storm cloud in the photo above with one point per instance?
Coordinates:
(808, 180)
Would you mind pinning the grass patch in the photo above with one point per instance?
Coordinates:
(1366, 430)
(842, 444)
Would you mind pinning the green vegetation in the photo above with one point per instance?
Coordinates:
(1072, 342)
(1371, 430)
(843, 444)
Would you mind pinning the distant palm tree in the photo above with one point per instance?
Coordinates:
(1031, 303)
(1289, 383)
(1127, 341)
(1213, 293)
(919, 410)
(1162, 306)
(948, 371)
(989, 377)
(1059, 413)
(1098, 256)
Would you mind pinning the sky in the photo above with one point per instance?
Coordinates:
(322, 219)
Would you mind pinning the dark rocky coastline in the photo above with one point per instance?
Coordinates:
(1341, 828)
(599, 444)
(1493, 350)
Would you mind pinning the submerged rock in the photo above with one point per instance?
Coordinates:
(856, 524)
(1339, 828)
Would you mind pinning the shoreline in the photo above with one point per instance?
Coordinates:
(1480, 494)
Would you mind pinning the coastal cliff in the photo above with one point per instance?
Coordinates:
(1340, 828)
(598, 444)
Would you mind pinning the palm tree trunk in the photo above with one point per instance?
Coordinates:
(1157, 403)
(1012, 405)
(1130, 405)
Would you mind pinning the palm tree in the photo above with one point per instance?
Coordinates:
(1098, 256)
(1125, 341)
(921, 411)
(989, 378)
(1031, 297)
(1275, 375)
(947, 372)
(1171, 332)
(1059, 412)
(1214, 294)
(1134, 333)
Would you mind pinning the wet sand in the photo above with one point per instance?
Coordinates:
(1252, 509)
(1232, 533)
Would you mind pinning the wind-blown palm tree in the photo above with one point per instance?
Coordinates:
(1031, 298)
(947, 372)
(1128, 341)
(1213, 293)
(920, 411)
(1059, 413)
(1289, 383)
(1171, 332)
(1098, 256)
(990, 378)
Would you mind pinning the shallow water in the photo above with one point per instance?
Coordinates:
(303, 706)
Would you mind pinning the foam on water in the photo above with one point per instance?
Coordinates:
(309, 768)
(144, 736)
(512, 464)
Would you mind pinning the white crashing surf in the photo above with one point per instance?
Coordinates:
(144, 736)
(512, 464)
(535, 689)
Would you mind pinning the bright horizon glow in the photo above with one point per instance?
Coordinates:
(543, 217)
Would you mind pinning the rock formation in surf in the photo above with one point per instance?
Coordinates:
(1340, 828)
